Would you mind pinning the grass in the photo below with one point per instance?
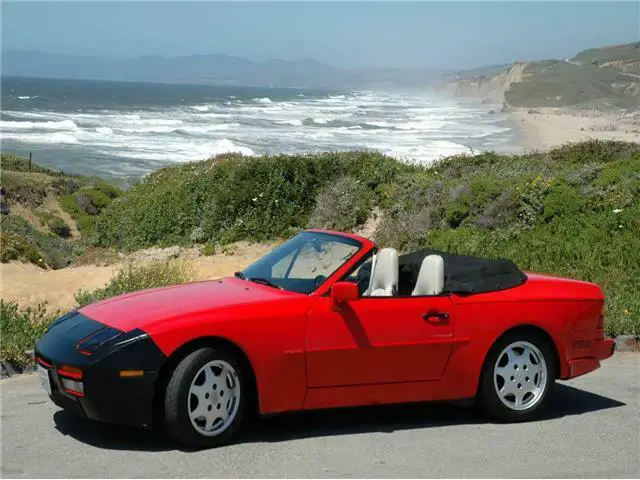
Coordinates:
(134, 277)
(628, 55)
(21, 328)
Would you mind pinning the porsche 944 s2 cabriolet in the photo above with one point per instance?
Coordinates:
(324, 320)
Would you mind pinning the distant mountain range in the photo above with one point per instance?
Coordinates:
(211, 69)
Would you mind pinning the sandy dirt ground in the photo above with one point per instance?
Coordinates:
(28, 284)
(550, 128)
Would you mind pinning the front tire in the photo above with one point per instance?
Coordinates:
(518, 377)
(205, 399)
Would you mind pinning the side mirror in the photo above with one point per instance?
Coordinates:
(344, 292)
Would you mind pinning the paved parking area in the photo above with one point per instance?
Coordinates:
(592, 430)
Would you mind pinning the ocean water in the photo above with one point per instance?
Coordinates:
(124, 130)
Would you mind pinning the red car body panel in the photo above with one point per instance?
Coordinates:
(306, 354)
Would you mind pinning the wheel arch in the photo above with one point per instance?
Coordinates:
(524, 328)
(201, 342)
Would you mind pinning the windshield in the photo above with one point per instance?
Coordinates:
(303, 263)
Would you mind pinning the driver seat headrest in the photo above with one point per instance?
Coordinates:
(384, 275)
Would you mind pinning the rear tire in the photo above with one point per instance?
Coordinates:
(205, 399)
(518, 377)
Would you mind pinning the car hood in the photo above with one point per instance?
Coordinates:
(138, 309)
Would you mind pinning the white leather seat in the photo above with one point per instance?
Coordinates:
(384, 275)
(431, 276)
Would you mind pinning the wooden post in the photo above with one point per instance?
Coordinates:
(29, 161)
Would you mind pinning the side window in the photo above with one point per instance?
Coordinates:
(361, 276)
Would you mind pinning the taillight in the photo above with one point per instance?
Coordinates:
(601, 319)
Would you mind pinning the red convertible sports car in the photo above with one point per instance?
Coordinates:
(324, 320)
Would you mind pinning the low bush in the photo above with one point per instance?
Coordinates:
(233, 198)
(342, 205)
(22, 241)
(21, 328)
(85, 204)
(134, 277)
(55, 224)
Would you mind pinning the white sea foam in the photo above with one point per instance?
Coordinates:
(40, 138)
(294, 122)
(409, 127)
(201, 108)
(51, 125)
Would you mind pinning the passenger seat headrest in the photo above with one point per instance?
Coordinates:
(431, 276)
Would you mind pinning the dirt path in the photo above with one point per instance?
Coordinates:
(28, 284)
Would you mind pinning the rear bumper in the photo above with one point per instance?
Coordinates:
(604, 348)
(600, 350)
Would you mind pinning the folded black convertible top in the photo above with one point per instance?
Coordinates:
(463, 274)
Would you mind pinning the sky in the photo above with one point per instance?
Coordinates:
(441, 35)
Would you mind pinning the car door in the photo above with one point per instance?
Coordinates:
(376, 340)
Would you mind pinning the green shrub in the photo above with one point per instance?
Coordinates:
(83, 220)
(132, 277)
(14, 247)
(209, 249)
(234, 198)
(562, 200)
(21, 328)
(98, 199)
(55, 224)
(22, 241)
(108, 189)
(85, 204)
(342, 205)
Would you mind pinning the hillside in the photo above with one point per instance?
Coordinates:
(47, 216)
(600, 78)
(625, 58)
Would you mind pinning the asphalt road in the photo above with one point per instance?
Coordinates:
(592, 430)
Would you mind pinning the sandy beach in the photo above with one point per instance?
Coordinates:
(543, 129)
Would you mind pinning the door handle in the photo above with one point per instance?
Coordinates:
(433, 316)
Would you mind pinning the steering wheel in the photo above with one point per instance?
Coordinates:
(319, 280)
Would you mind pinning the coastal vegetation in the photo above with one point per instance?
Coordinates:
(48, 215)
(573, 211)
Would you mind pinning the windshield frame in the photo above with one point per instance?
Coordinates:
(363, 246)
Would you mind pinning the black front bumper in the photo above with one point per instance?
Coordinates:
(108, 396)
